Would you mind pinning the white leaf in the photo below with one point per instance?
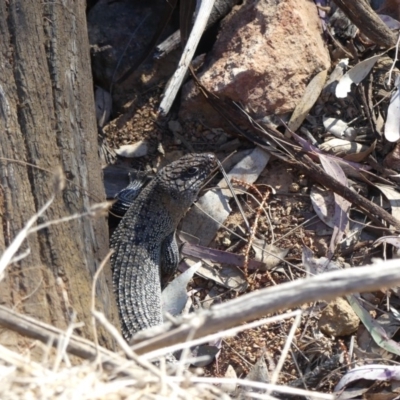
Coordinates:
(392, 126)
(339, 128)
(355, 75)
(393, 196)
(174, 296)
(138, 149)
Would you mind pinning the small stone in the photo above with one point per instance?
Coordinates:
(338, 319)
(263, 58)
(226, 242)
(294, 187)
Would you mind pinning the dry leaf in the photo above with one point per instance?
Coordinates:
(339, 128)
(174, 296)
(138, 149)
(341, 148)
(392, 126)
(308, 100)
(268, 254)
(355, 75)
(323, 202)
(362, 154)
(394, 198)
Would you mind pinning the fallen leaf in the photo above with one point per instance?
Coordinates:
(339, 128)
(138, 149)
(103, 102)
(390, 22)
(342, 206)
(341, 148)
(268, 254)
(308, 100)
(258, 373)
(371, 372)
(174, 296)
(392, 125)
(355, 75)
(317, 266)
(323, 202)
(394, 198)
(227, 276)
(362, 154)
(377, 332)
(229, 387)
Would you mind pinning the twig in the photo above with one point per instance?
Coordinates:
(285, 350)
(221, 168)
(22, 235)
(177, 79)
(253, 231)
(220, 334)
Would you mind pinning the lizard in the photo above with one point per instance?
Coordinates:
(144, 241)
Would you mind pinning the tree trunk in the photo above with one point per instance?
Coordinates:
(47, 119)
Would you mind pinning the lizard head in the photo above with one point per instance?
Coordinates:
(183, 178)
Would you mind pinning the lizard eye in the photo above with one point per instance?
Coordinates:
(192, 171)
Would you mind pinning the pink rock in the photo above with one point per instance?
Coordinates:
(266, 53)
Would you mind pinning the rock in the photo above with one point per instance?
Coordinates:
(338, 319)
(264, 56)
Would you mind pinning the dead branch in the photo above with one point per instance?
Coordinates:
(258, 304)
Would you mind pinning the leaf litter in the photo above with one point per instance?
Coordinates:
(366, 114)
(351, 102)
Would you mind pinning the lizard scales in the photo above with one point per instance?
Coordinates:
(144, 241)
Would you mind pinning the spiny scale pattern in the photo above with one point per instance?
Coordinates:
(146, 233)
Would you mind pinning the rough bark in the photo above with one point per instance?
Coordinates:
(47, 119)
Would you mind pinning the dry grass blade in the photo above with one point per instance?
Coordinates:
(22, 235)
